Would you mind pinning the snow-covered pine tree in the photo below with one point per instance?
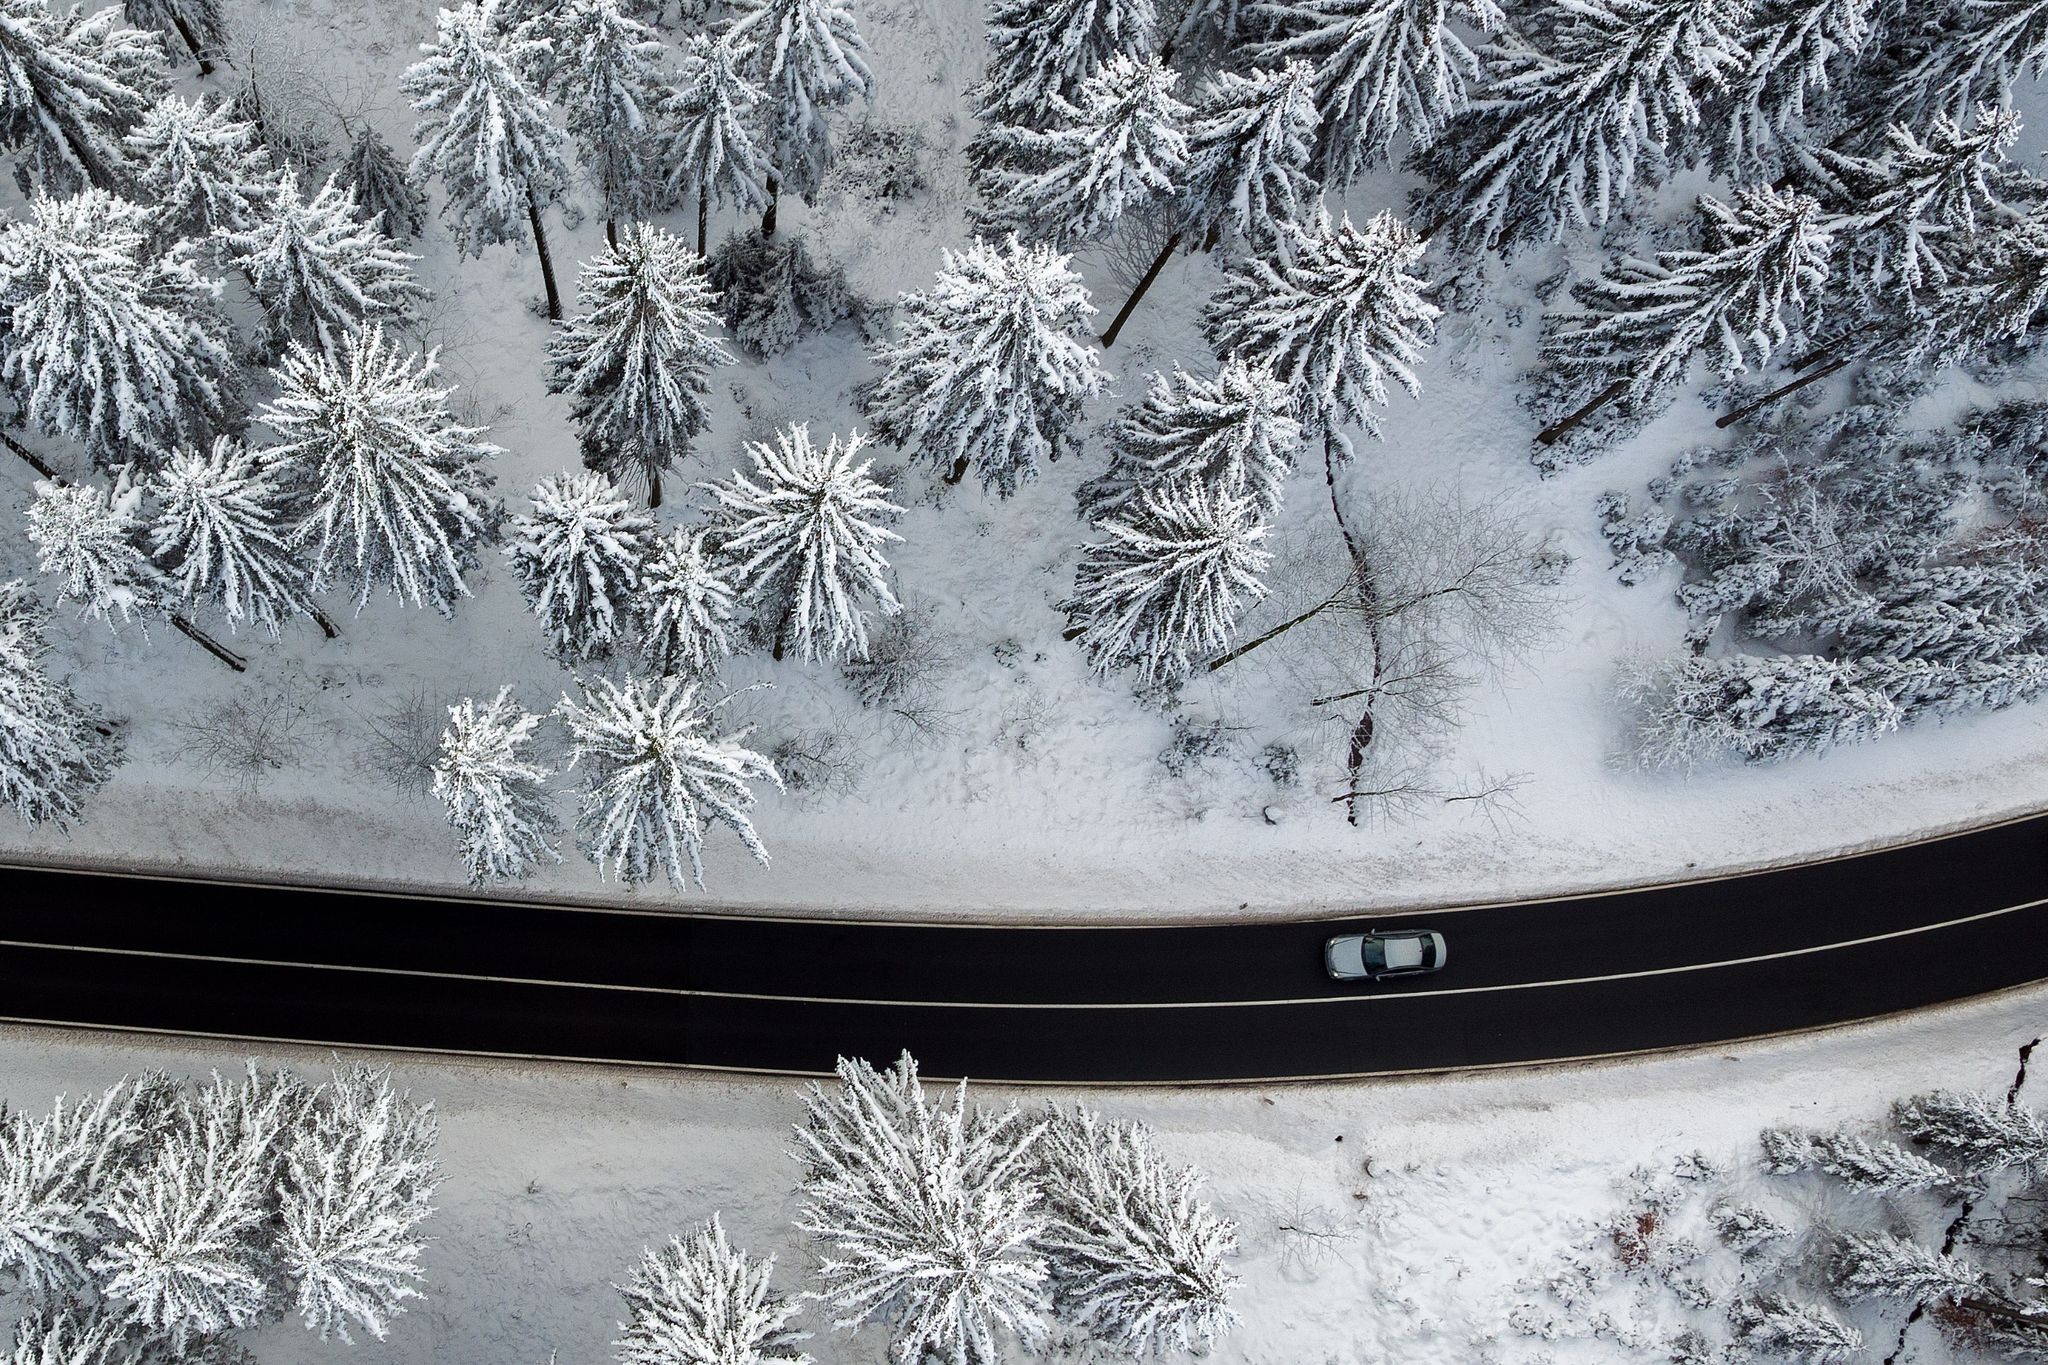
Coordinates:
(1972, 54)
(807, 58)
(1878, 1265)
(321, 270)
(925, 1212)
(1119, 146)
(707, 147)
(200, 25)
(1999, 293)
(186, 1258)
(1763, 708)
(90, 538)
(634, 361)
(1040, 53)
(1869, 1164)
(1382, 68)
(496, 794)
(1235, 433)
(1909, 216)
(394, 489)
(686, 606)
(199, 169)
(56, 1171)
(706, 1302)
(1333, 316)
(577, 558)
(55, 751)
(218, 531)
(486, 134)
(385, 190)
(71, 85)
(1249, 141)
(803, 537)
(1796, 53)
(1638, 326)
(1181, 563)
(1557, 134)
(1137, 1259)
(1986, 1132)
(657, 774)
(1782, 1328)
(992, 365)
(357, 1180)
(111, 344)
(1249, 144)
(604, 77)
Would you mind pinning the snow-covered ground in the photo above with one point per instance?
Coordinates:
(1038, 792)
(1424, 1204)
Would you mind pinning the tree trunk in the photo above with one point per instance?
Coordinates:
(209, 644)
(1775, 394)
(1144, 282)
(703, 219)
(185, 32)
(35, 461)
(959, 471)
(95, 169)
(1248, 646)
(782, 630)
(547, 263)
(1550, 434)
(654, 488)
(611, 232)
(1819, 353)
(324, 621)
(774, 199)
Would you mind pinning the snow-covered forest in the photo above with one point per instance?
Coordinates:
(623, 439)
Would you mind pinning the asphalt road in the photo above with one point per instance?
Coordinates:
(1702, 962)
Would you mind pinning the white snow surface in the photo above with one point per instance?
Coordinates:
(1042, 797)
(1442, 1196)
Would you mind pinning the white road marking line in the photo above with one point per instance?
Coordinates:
(1352, 999)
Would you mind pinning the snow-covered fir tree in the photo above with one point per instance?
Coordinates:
(1910, 215)
(357, 1180)
(1042, 51)
(1799, 54)
(486, 133)
(385, 190)
(55, 751)
(1996, 297)
(394, 488)
(72, 83)
(1972, 54)
(56, 1171)
(495, 792)
(1881, 1265)
(1383, 69)
(1565, 122)
(199, 169)
(90, 539)
(926, 1214)
(186, 1257)
(200, 26)
(577, 558)
(604, 76)
(321, 270)
(992, 364)
(657, 774)
(687, 604)
(1334, 316)
(1640, 323)
(69, 1335)
(1875, 1164)
(804, 537)
(1119, 146)
(708, 150)
(634, 362)
(219, 532)
(1778, 1327)
(1235, 433)
(1182, 562)
(1764, 709)
(1136, 1258)
(1249, 143)
(807, 58)
(1984, 1132)
(706, 1302)
(111, 344)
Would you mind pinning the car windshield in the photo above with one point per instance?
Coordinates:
(1375, 954)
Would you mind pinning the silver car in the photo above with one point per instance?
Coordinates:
(1384, 953)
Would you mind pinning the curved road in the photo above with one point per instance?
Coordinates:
(1708, 961)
